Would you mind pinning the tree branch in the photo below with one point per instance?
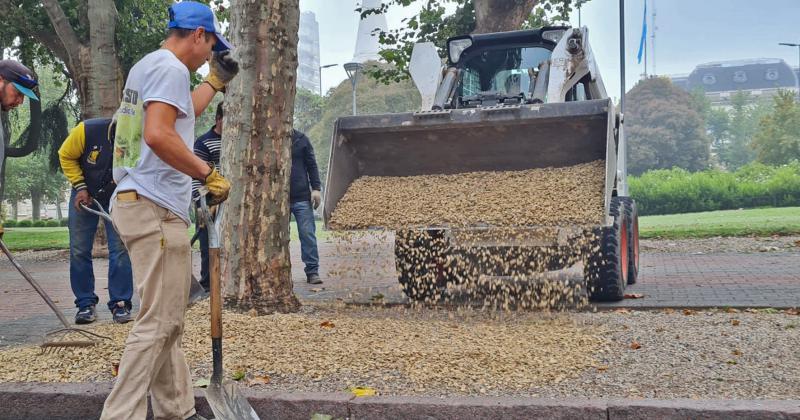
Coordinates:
(501, 15)
(66, 34)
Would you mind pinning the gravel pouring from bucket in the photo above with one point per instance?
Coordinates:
(223, 397)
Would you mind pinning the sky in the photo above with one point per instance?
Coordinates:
(690, 32)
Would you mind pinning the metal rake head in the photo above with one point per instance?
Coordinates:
(56, 341)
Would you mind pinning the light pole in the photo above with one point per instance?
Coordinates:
(796, 76)
(353, 69)
(320, 75)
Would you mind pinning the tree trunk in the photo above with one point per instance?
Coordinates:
(59, 215)
(14, 210)
(36, 205)
(501, 15)
(105, 73)
(257, 157)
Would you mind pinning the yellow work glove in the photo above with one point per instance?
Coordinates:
(222, 69)
(218, 187)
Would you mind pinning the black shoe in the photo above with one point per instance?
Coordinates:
(314, 279)
(121, 313)
(196, 417)
(86, 315)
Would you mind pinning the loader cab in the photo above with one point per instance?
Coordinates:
(500, 68)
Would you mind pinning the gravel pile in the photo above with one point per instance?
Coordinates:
(351, 348)
(546, 196)
(625, 354)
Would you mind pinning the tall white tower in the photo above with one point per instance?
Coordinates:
(367, 45)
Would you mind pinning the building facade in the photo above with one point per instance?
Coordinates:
(308, 76)
(761, 78)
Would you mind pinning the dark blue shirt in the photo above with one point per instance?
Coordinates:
(206, 147)
(305, 174)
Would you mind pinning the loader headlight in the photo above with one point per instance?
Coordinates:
(553, 36)
(457, 46)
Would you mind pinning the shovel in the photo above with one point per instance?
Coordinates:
(196, 291)
(223, 397)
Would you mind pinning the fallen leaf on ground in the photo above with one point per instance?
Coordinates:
(736, 352)
(792, 311)
(635, 345)
(669, 311)
(363, 391)
(735, 322)
(731, 310)
(327, 324)
(316, 289)
(622, 311)
(318, 416)
(238, 375)
(689, 312)
(259, 380)
(633, 296)
(602, 368)
(731, 362)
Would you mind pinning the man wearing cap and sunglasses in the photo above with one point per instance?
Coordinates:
(16, 82)
(153, 168)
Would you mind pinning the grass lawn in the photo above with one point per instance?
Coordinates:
(753, 222)
(21, 239)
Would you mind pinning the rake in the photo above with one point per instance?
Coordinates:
(55, 341)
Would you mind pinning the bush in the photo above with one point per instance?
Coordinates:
(39, 223)
(52, 223)
(669, 191)
(10, 223)
(24, 223)
(63, 222)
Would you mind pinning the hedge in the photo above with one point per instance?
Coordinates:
(24, 223)
(669, 191)
(10, 223)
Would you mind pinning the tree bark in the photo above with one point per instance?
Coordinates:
(501, 15)
(105, 73)
(257, 157)
(36, 205)
(14, 210)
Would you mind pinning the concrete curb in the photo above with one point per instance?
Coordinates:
(85, 401)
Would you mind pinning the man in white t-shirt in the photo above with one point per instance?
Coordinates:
(153, 167)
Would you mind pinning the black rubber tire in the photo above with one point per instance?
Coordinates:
(420, 258)
(632, 213)
(606, 266)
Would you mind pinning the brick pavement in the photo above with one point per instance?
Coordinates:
(364, 270)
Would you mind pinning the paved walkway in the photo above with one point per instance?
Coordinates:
(363, 272)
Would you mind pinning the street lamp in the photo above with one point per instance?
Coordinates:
(797, 77)
(320, 75)
(353, 69)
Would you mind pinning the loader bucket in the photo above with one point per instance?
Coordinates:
(509, 138)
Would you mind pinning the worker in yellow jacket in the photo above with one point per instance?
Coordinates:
(86, 156)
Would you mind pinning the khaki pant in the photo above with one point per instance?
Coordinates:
(153, 361)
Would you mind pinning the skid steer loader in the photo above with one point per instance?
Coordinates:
(504, 102)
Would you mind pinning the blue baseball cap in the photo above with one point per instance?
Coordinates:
(19, 76)
(193, 15)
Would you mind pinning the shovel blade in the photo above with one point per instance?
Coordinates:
(196, 291)
(227, 403)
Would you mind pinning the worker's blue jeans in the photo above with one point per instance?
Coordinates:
(82, 227)
(307, 229)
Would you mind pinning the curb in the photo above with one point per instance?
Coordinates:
(67, 401)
